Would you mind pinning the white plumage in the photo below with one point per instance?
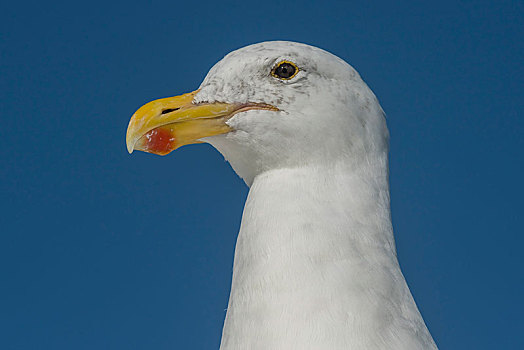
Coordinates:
(315, 263)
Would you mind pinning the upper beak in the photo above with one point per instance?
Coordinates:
(164, 125)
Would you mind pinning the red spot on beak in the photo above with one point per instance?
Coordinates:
(159, 141)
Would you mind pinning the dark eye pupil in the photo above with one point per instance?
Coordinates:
(285, 70)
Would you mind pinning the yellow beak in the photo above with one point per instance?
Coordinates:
(164, 125)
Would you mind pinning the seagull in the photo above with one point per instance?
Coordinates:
(315, 263)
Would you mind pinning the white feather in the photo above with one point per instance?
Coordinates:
(315, 263)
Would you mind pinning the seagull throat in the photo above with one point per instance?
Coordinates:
(315, 265)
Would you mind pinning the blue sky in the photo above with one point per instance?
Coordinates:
(103, 250)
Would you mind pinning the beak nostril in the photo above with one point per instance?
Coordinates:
(169, 110)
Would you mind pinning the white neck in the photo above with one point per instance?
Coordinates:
(315, 265)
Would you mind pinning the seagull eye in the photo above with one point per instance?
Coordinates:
(285, 70)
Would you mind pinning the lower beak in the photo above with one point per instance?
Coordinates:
(164, 125)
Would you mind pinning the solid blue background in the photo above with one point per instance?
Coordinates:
(103, 250)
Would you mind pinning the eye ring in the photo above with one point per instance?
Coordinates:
(285, 70)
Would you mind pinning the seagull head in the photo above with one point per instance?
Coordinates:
(268, 106)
